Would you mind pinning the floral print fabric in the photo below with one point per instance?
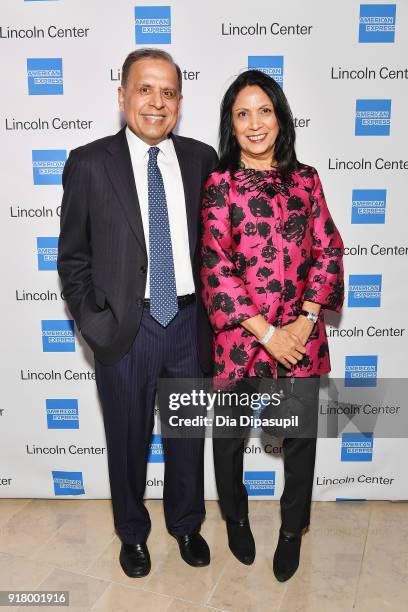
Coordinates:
(268, 244)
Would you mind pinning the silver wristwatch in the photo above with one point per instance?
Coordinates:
(311, 316)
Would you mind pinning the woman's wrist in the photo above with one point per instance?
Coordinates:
(258, 326)
(311, 307)
(265, 339)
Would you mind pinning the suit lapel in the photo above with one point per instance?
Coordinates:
(119, 168)
(191, 176)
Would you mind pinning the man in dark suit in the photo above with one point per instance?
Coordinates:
(128, 262)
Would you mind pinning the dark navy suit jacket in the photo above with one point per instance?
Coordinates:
(102, 257)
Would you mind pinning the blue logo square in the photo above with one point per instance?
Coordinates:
(377, 23)
(44, 75)
(62, 413)
(368, 206)
(260, 482)
(47, 251)
(364, 291)
(156, 453)
(153, 25)
(357, 446)
(373, 118)
(361, 371)
(58, 336)
(68, 483)
(272, 65)
(48, 166)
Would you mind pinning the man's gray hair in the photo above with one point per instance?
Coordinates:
(147, 53)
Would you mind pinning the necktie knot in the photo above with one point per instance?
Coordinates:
(153, 153)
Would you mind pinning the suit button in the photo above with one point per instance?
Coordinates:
(143, 269)
(139, 302)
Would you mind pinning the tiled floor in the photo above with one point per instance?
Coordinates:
(355, 557)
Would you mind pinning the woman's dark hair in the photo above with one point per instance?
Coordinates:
(229, 150)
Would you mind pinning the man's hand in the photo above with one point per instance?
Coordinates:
(286, 347)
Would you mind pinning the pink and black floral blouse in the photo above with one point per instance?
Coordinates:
(268, 244)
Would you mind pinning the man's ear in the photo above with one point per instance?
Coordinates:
(121, 98)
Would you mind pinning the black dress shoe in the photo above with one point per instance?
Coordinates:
(286, 558)
(193, 549)
(135, 560)
(241, 541)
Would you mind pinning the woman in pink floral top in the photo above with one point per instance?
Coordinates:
(271, 263)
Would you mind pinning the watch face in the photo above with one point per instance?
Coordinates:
(311, 316)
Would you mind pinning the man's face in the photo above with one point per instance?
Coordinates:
(150, 99)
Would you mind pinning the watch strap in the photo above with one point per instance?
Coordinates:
(311, 316)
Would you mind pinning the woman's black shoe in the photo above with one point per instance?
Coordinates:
(241, 541)
(286, 558)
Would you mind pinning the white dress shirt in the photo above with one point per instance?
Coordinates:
(176, 206)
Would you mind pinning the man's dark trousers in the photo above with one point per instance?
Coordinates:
(127, 390)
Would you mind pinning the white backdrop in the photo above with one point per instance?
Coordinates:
(319, 42)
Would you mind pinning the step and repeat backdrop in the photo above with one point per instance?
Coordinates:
(343, 66)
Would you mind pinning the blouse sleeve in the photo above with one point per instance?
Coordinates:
(224, 294)
(325, 282)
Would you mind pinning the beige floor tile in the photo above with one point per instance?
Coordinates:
(248, 589)
(118, 598)
(160, 543)
(175, 577)
(8, 507)
(107, 566)
(393, 513)
(331, 558)
(80, 540)
(170, 575)
(155, 508)
(212, 509)
(179, 605)
(314, 591)
(265, 523)
(383, 582)
(35, 523)
(270, 507)
(19, 573)
(354, 552)
(343, 510)
(179, 579)
(84, 591)
(383, 606)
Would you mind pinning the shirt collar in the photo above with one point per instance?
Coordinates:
(139, 149)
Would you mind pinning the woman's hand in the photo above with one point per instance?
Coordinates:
(286, 347)
(302, 328)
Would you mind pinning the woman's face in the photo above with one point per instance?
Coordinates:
(254, 123)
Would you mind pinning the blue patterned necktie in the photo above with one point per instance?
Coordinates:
(163, 291)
